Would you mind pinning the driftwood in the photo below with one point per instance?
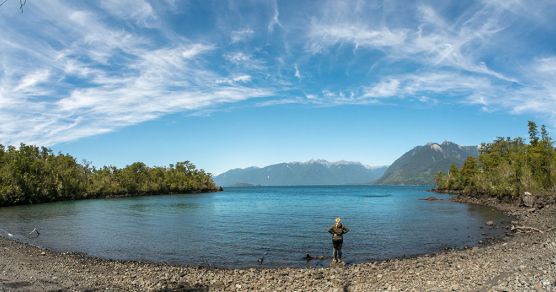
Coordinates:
(34, 231)
(550, 229)
(529, 229)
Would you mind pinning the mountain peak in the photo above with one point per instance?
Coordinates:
(311, 172)
(436, 147)
(332, 163)
(422, 163)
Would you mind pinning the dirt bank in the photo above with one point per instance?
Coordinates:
(526, 260)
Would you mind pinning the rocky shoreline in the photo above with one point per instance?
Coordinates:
(524, 260)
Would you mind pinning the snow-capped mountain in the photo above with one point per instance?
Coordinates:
(312, 172)
(420, 165)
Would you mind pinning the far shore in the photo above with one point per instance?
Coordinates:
(525, 260)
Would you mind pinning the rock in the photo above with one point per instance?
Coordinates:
(528, 200)
(431, 198)
(489, 223)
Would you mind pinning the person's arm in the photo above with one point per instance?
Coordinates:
(346, 230)
(331, 230)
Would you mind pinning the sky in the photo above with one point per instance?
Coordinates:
(229, 84)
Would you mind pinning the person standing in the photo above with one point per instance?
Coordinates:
(337, 230)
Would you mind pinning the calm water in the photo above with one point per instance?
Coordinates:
(236, 227)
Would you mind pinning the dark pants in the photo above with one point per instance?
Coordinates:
(337, 253)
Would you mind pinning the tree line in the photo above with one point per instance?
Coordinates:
(30, 174)
(506, 168)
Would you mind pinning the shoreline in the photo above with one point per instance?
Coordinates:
(120, 196)
(526, 260)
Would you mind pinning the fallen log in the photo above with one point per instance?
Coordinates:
(520, 228)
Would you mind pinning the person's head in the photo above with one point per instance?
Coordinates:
(338, 221)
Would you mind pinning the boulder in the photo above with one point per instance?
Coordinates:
(528, 200)
(489, 223)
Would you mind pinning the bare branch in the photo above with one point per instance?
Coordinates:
(519, 228)
(21, 4)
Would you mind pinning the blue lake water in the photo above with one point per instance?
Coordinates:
(236, 227)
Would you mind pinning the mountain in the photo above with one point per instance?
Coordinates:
(420, 165)
(312, 172)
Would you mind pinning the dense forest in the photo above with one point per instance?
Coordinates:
(507, 168)
(30, 174)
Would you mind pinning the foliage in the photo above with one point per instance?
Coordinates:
(30, 174)
(506, 167)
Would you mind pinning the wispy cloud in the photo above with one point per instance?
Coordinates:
(434, 42)
(138, 11)
(296, 72)
(537, 96)
(274, 21)
(75, 69)
(449, 56)
(103, 78)
(326, 35)
(241, 35)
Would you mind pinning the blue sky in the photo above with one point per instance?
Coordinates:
(241, 83)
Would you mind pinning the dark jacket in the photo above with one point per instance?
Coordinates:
(338, 232)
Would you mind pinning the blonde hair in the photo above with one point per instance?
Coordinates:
(338, 219)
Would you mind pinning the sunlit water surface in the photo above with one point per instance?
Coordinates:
(236, 227)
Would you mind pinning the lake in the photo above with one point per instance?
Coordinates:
(236, 227)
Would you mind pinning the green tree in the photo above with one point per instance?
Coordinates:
(507, 167)
(533, 133)
(30, 174)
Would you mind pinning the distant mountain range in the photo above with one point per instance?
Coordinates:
(312, 172)
(420, 165)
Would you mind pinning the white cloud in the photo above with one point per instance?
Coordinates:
(325, 35)
(246, 61)
(236, 79)
(433, 43)
(241, 35)
(139, 11)
(537, 95)
(419, 87)
(282, 101)
(32, 79)
(242, 78)
(275, 21)
(77, 72)
(124, 79)
(194, 50)
(296, 73)
(385, 88)
(237, 57)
